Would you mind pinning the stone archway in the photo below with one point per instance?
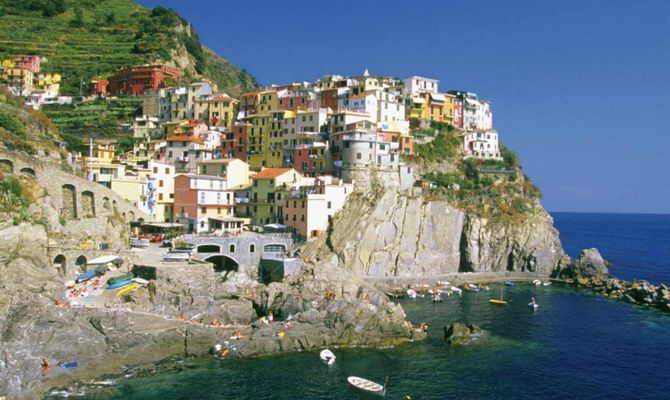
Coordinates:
(81, 263)
(28, 171)
(88, 204)
(223, 263)
(6, 166)
(60, 263)
(69, 197)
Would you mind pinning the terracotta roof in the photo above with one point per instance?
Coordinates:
(185, 138)
(220, 97)
(269, 173)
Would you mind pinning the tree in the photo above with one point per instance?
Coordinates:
(111, 18)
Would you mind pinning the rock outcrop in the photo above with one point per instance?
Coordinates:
(588, 265)
(460, 334)
(410, 235)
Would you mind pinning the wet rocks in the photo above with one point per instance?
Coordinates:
(460, 334)
(638, 292)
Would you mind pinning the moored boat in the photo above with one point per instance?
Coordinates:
(127, 289)
(537, 282)
(327, 357)
(119, 284)
(546, 283)
(509, 283)
(366, 385)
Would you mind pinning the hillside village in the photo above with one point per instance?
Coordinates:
(285, 157)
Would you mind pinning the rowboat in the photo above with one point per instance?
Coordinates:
(327, 357)
(546, 283)
(537, 282)
(367, 386)
(411, 293)
(509, 283)
(499, 301)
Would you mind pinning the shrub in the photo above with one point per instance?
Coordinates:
(12, 124)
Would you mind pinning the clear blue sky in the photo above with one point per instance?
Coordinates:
(579, 89)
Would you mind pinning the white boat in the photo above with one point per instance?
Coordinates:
(534, 306)
(537, 282)
(327, 357)
(411, 293)
(457, 290)
(366, 386)
(177, 256)
(546, 283)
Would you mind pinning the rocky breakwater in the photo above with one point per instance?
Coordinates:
(590, 270)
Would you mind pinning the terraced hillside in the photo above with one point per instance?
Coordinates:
(86, 39)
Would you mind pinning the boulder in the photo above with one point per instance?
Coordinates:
(461, 334)
(591, 264)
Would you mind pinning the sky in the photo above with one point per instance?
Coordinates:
(579, 89)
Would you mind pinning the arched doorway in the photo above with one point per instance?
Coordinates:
(81, 263)
(88, 204)
(60, 264)
(28, 171)
(208, 248)
(69, 197)
(223, 263)
(7, 166)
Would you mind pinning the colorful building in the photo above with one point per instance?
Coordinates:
(222, 110)
(481, 144)
(133, 81)
(265, 197)
(201, 199)
(236, 172)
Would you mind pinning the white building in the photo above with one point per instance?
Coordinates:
(417, 84)
(482, 144)
(146, 127)
(477, 114)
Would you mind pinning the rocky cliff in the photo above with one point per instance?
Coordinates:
(410, 234)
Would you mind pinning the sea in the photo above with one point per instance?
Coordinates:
(576, 345)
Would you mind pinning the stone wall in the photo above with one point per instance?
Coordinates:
(239, 248)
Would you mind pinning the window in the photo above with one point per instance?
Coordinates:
(302, 218)
(231, 248)
(358, 156)
(203, 210)
(160, 196)
(330, 205)
(294, 217)
(202, 224)
(155, 170)
(160, 183)
(218, 210)
(252, 248)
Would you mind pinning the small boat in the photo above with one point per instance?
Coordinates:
(546, 283)
(177, 256)
(327, 357)
(411, 293)
(71, 364)
(509, 283)
(140, 281)
(537, 282)
(532, 305)
(499, 301)
(87, 275)
(456, 290)
(119, 284)
(435, 298)
(367, 386)
(471, 288)
(139, 243)
(127, 288)
(118, 278)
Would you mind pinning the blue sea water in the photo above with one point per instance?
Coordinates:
(575, 346)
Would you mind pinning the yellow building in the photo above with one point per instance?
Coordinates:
(223, 110)
(265, 201)
(47, 81)
(438, 107)
(235, 171)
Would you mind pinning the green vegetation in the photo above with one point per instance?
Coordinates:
(13, 201)
(24, 129)
(444, 147)
(88, 39)
(102, 118)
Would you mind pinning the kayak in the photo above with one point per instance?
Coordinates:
(366, 386)
(127, 289)
(123, 277)
(87, 275)
(498, 301)
(140, 281)
(72, 364)
(327, 357)
(119, 284)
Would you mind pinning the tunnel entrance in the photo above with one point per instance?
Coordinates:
(223, 263)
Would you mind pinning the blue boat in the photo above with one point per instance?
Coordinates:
(119, 284)
(509, 283)
(72, 364)
(87, 275)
